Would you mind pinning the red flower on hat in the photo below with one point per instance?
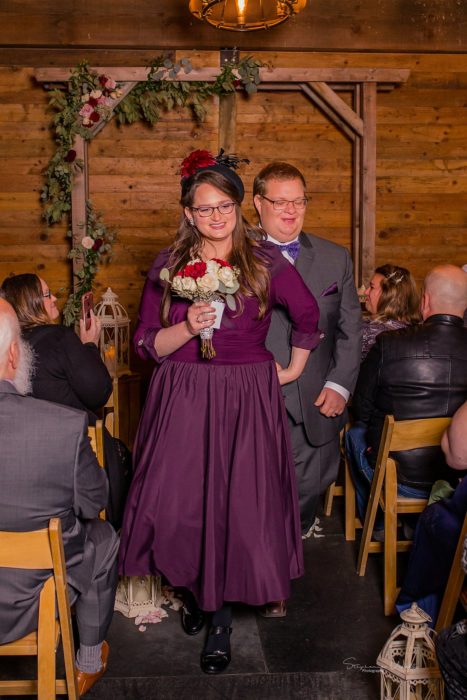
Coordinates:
(195, 161)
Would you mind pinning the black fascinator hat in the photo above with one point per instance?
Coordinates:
(199, 161)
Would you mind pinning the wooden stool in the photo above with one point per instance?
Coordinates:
(454, 592)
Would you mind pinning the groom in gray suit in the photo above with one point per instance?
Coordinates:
(48, 470)
(316, 402)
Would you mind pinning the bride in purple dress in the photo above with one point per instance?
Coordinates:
(213, 503)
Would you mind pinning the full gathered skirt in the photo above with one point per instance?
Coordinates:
(213, 502)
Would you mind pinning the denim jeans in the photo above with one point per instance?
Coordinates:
(362, 474)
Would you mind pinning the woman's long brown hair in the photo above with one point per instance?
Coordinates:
(254, 274)
(399, 300)
(24, 292)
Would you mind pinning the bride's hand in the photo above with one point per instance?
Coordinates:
(199, 315)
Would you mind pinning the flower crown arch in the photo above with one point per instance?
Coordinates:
(85, 100)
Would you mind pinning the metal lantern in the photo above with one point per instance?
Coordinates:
(245, 15)
(138, 595)
(114, 342)
(409, 670)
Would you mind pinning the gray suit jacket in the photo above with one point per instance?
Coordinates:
(47, 470)
(327, 271)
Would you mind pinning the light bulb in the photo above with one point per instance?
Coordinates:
(241, 8)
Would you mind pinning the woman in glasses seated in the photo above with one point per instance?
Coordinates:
(391, 301)
(67, 368)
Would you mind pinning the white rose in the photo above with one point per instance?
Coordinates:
(177, 283)
(208, 283)
(96, 94)
(212, 267)
(87, 242)
(188, 284)
(226, 276)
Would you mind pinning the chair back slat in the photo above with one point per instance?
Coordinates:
(25, 550)
(96, 436)
(412, 434)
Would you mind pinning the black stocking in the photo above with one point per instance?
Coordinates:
(220, 642)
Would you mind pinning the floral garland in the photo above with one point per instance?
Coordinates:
(86, 102)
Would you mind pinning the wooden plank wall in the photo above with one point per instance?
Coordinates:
(421, 212)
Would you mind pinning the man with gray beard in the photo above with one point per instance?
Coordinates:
(48, 470)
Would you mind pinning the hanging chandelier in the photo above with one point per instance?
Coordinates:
(245, 15)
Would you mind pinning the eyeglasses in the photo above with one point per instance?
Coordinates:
(226, 208)
(47, 295)
(281, 204)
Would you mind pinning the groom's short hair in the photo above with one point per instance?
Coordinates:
(277, 170)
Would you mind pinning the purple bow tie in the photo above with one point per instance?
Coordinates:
(291, 249)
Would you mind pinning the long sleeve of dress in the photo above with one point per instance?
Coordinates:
(289, 290)
(149, 322)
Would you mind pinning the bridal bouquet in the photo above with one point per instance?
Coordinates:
(214, 281)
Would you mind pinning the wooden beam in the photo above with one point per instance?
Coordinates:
(337, 104)
(356, 198)
(227, 122)
(79, 196)
(267, 75)
(324, 106)
(368, 180)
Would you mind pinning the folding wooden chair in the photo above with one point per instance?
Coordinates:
(454, 592)
(347, 490)
(42, 549)
(96, 436)
(397, 435)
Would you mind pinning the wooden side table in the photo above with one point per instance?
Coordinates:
(122, 410)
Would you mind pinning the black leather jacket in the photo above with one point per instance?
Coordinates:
(417, 372)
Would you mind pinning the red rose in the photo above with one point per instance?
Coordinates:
(70, 156)
(92, 102)
(223, 263)
(94, 117)
(194, 270)
(237, 83)
(103, 80)
(195, 161)
(98, 243)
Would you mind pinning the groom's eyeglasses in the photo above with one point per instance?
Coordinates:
(281, 204)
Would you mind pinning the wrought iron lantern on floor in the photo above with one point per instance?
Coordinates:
(114, 342)
(409, 670)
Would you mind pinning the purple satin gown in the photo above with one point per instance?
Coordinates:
(213, 503)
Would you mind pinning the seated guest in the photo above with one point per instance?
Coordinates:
(416, 372)
(438, 530)
(67, 369)
(392, 302)
(48, 470)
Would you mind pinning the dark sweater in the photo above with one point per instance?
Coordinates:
(67, 371)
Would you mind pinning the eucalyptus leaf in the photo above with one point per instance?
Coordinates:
(230, 301)
(164, 275)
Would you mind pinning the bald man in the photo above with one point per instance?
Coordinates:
(416, 372)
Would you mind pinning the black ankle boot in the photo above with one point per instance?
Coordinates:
(215, 656)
